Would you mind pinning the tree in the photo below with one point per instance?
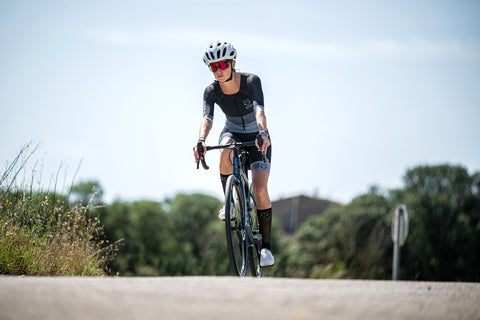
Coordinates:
(181, 236)
(347, 242)
(87, 193)
(192, 216)
(145, 229)
(443, 203)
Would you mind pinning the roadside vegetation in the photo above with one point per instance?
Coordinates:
(44, 233)
(183, 236)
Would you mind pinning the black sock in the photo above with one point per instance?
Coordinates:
(265, 224)
(224, 179)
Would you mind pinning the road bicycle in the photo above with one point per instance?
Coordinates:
(244, 240)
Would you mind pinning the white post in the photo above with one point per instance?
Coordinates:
(399, 235)
(396, 246)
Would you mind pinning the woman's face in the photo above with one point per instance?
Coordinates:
(222, 75)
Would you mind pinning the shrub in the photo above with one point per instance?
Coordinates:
(41, 233)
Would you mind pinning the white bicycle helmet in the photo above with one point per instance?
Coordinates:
(218, 51)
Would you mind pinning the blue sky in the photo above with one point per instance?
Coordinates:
(356, 92)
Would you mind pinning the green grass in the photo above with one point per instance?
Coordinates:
(41, 233)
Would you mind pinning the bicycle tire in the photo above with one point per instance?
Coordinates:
(254, 251)
(234, 227)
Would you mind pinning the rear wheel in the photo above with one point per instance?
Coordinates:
(254, 251)
(236, 237)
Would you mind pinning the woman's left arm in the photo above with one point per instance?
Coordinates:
(261, 119)
(262, 126)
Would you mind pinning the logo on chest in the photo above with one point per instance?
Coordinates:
(247, 103)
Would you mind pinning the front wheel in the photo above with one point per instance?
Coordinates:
(254, 251)
(234, 226)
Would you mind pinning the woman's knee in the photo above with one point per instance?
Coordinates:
(261, 191)
(263, 199)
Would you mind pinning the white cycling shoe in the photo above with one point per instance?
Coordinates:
(266, 258)
(221, 213)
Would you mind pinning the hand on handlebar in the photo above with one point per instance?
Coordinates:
(262, 142)
(199, 150)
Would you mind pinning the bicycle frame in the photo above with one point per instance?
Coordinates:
(240, 176)
(240, 171)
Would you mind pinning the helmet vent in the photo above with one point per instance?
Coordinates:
(219, 50)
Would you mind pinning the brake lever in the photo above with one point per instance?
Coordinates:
(260, 144)
(201, 156)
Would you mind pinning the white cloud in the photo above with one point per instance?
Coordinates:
(366, 49)
(145, 37)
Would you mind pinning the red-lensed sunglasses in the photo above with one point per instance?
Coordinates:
(222, 65)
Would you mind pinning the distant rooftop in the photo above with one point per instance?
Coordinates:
(292, 212)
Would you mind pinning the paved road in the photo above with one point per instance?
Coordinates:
(233, 298)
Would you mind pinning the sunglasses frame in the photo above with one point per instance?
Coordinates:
(216, 65)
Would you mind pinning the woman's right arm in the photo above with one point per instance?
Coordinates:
(205, 128)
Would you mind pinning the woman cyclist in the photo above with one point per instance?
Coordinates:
(240, 97)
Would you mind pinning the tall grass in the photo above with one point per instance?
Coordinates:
(41, 233)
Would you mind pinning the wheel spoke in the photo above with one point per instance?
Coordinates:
(235, 239)
(254, 251)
